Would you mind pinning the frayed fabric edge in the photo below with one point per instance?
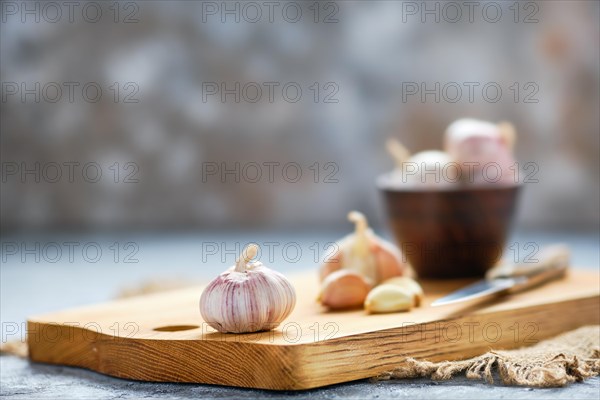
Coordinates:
(535, 366)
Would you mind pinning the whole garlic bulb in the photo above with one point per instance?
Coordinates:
(425, 169)
(483, 149)
(248, 297)
(467, 128)
(429, 169)
(362, 253)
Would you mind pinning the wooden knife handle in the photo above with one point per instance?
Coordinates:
(553, 264)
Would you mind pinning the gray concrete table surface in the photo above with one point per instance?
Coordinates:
(41, 280)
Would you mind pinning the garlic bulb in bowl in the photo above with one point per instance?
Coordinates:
(483, 149)
(248, 297)
(428, 169)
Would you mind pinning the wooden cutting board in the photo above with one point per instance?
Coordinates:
(161, 337)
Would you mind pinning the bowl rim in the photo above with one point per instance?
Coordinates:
(455, 188)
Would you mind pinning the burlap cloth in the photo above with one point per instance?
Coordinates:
(570, 357)
(559, 361)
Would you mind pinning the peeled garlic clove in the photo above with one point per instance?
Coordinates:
(344, 289)
(388, 298)
(248, 297)
(410, 285)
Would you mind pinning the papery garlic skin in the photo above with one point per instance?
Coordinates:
(429, 169)
(426, 169)
(356, 255)
(363, 255)
(344, 289)
(248, 297)
(382, 260)
(483, 150)
(467, 128)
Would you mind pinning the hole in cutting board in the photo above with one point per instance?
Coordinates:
(175, 328)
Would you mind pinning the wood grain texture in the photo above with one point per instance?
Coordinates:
(312, 347)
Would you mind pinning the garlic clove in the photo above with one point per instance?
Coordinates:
(332, 264)
(365, 253)
(388, 260)
(410, 285)
(248, 297)
(357, 250)
(388, 298)
(361, 261)
(344, 289)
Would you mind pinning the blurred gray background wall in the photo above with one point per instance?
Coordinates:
(157, 133)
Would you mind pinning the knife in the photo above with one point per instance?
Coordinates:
(513, 278)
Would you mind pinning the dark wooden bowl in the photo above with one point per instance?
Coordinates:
(451, 232)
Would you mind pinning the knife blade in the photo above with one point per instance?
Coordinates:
(553, 264)
(479, 290)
